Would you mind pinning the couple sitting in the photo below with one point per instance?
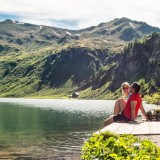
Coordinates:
(127, 110)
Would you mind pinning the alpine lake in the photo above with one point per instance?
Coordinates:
(34, 129)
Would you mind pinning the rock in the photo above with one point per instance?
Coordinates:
(75, 95)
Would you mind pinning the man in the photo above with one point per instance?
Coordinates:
(133, 104)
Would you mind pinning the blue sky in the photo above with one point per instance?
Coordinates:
(78, 14)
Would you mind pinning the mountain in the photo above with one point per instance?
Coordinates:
(112, 34)
(139, 61)
(47, 61)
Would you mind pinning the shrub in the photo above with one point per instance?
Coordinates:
(153, 99)
(108, 146)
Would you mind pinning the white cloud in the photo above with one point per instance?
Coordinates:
(76, 14)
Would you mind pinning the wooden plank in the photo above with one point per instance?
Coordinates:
(141, 129)
(154, 127)
(112, 128)
(125, 128)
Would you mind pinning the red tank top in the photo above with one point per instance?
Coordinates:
(127, 110)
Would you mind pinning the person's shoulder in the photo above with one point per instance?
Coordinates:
(135, 96)
(138, 95)
(131, 95)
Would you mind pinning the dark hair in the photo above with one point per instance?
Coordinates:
(136, 86)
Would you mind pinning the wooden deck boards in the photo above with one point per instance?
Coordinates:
(154, 127)
(125, 128)
(138, 128)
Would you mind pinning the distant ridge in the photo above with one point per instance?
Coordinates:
(120, 30)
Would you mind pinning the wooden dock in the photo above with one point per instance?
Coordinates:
(136, 128)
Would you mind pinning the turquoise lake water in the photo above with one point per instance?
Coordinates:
(49, 129)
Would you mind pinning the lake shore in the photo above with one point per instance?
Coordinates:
(69, 97)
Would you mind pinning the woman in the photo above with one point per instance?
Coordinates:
(121, 103)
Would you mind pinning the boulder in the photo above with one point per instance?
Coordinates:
(75, 95)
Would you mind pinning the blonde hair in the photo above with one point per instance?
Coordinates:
(125, 83)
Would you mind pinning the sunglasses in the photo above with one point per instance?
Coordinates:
(125, 88)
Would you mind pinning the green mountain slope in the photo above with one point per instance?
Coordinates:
(139, 61)
(47, 61)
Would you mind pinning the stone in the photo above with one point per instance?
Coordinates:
(75, 95)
